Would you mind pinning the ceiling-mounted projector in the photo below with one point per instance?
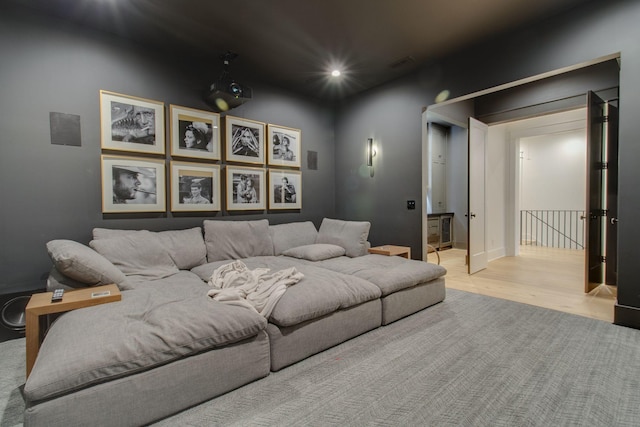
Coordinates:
(225, 93)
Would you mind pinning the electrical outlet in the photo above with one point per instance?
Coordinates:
(411, 204)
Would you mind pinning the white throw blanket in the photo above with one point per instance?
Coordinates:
(257, 289)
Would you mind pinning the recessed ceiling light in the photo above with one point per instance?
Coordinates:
(335, 73)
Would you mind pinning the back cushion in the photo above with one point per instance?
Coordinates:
(137, 254)
(292, 235)
(237, 239)
(351, 235)
(185, 247)
(105, 233)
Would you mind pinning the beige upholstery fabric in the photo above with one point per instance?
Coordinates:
(138, 254)
(351, 235)
(291, 235)
(81, 263)
(237, 239)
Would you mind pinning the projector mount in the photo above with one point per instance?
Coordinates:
(233, 87)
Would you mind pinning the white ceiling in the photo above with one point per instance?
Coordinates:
(294, 43)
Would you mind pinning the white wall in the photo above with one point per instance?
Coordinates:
(496, 191)
(553, 171)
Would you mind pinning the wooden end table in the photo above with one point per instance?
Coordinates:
(41, 304)
(391, 250)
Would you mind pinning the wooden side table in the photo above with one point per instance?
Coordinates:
(41, 304)
(391, 250)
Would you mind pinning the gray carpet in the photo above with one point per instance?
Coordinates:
(469, 361)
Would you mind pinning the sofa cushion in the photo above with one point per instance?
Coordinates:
(291, 235)
(228, 240)
(186, 247)
(107, 233)
(315, 252)
(389, 273)
(319, 293)
(81, 263)
(351, 235)
(149, 327)
(138, 254)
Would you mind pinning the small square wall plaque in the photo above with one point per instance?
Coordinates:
(312, 160)
(65, 129)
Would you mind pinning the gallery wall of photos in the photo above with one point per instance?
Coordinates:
(134, 165)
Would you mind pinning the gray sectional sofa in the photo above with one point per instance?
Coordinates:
(167, 346)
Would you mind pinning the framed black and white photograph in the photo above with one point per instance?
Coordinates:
(245, 140)
(285, 189)
(195, 187)
(129, 123)
(284, 146)
(131, 184)
(246, 188)
(194, 133)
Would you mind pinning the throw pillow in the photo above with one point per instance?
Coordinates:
(351, 235)
(82, 263)
(315, 252)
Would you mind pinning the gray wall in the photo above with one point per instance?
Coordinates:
(392, 117)
(53, 191)
(391, 114)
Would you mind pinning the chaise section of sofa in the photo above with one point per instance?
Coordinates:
(150, 395)
(164, 347)
(161, 349)
(406, 286)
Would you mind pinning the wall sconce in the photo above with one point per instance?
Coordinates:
(371, 151)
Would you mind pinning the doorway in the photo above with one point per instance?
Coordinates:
(453, 113)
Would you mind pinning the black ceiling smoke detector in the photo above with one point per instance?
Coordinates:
(225, 93)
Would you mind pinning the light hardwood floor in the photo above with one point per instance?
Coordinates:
(545, 277)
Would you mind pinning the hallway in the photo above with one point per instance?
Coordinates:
(545, 277)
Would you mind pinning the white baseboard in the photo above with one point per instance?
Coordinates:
(496, 253)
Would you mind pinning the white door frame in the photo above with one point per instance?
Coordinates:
(512, 219)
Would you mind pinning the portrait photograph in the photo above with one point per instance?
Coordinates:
(129, 123)
(131, 184)
(285, 189)
(284, 146)
(195, 187)
(244, 140)
(194, 133)
(245, 188)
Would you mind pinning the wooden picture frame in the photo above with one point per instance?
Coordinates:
(284, 148)
(246, 188)
(285, 189)
(129, 123)
(195, 187)
(132, 184)
(194, 133)
(244, 140)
